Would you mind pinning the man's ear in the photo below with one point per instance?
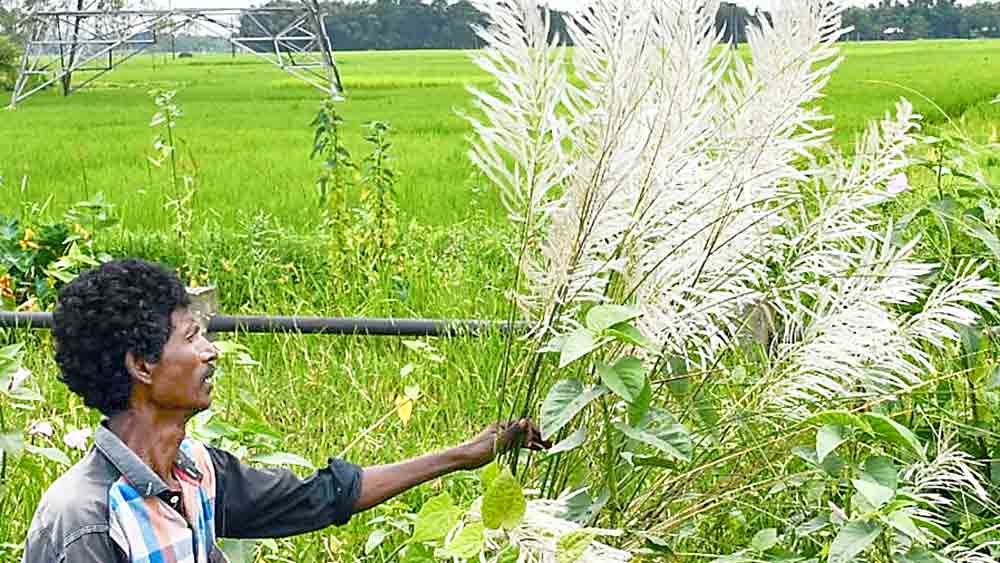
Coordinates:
(138, 368)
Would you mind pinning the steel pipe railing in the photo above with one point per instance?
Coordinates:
(359, 326)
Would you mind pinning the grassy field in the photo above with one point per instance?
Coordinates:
(247, 126)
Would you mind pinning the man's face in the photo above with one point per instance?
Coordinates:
(181, 380)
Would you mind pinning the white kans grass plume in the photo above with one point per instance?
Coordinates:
(671, 175)
(698, 186)
(941, 484)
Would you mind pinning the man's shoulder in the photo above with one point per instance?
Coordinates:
(75, 504)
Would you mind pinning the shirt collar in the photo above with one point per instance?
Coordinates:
(135, 471)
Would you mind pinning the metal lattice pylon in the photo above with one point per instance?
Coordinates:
(72, 37)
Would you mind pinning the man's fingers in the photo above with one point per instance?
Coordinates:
(524, 431)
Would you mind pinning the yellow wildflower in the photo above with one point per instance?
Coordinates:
(6, 287)
(26, 242)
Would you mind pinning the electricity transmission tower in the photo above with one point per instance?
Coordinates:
(88, 38)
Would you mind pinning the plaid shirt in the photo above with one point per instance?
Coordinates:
(146, 530)
(112, 507)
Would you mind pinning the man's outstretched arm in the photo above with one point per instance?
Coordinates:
(379, 483)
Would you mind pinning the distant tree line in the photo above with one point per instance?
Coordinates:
(444, 24)
(920, 19)
(438, 24)
(448, 24)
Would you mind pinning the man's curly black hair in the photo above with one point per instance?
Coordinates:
(122, 306)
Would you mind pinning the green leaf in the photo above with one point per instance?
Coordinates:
(509, 554)
(626, 378)
(602, 317)
(983, 232)
(577, 344)
(877, 495)
(239, 551)
(565, 400)
(764, 540)
(11, 351)
(52, 454)
(993, 383)
(917, 554)
(631, 335)
(816, 524)
(828, 438)
(468, 543)
(489, 473)
(582, 508)
(972, 344)
(375, 539)
(418, 553)
(571, 547)
(436, 518)
(656, 441)
(894, 432)
(282, 458)
(12, 443)
(639, 408)
(852, 539)
(839, 418)
(572, 441)
(902, 522)
(881, 470)
(933, 527)
(503, 503)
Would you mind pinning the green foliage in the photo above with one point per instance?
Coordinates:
(565, 400)
(10, 60)
(18, 445)
(468, 544)
(38, 256)
(503, 502)
(183, 171)
(435, 519)
(337, 165)
(852, 540)
(570, 547)
(379, 198)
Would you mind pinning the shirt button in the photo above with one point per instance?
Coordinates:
(173, 500)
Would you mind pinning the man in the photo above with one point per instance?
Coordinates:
(127, 344)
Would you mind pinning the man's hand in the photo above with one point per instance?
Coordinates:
(500, 437)
(382, 482)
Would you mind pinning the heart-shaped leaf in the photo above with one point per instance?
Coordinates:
(827, 439)
(671, 449)
(565, 400)
(577, 344)
(602, 317)
(764, 540)
(894, 432)
(436, 518)
(503, 504)
(570, 442)
(852, 539)
(626, 378)
(468, 543)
